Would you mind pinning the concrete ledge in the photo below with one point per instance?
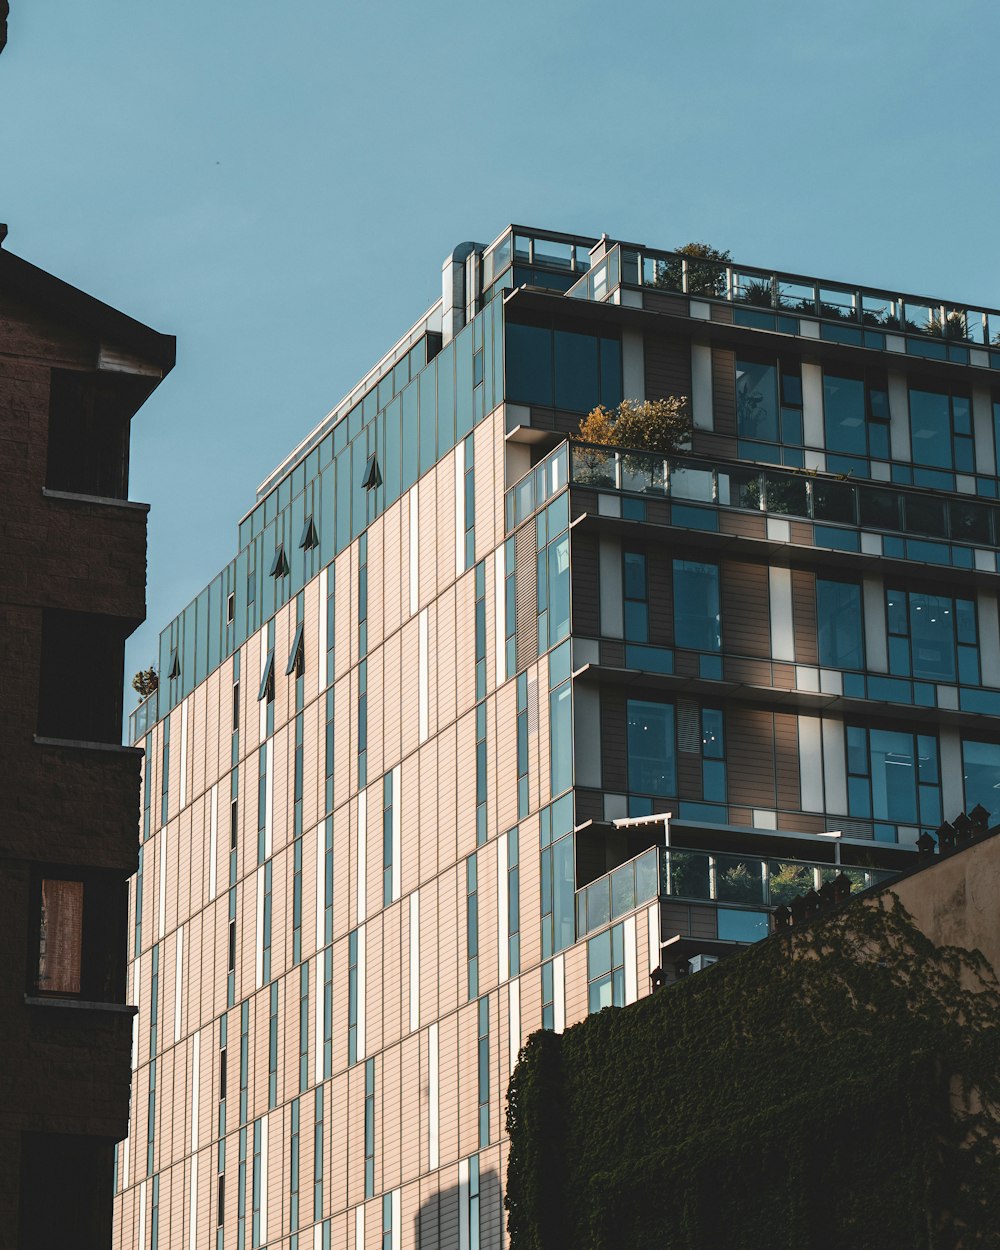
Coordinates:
(76, 745)
(80, 1004)
(98, 499)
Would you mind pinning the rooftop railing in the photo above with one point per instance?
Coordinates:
(143, 718)
(794, 295)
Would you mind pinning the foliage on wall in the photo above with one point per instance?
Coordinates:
(837, 1086)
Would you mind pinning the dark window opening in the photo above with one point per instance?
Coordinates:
(309, 537)
(77, 942)
(296, 657)
(267, 680)
(279, 565)
(66, 1191)
(89, 418)
(80, 682)
(174, 671)
(231, 608)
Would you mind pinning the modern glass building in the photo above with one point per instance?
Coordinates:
(481, 725)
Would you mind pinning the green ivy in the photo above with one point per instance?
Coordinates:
(837, 1086)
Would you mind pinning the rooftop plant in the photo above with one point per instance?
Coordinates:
(659, 425)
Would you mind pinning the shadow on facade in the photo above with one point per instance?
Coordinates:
(438, 1221)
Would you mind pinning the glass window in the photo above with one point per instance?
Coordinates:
(652, 767)
(981, 774)
(839, 624)
(932, 637)
(606, 970)
(576, 371)
(757, 400)
(60, 938)
(636, 608)
(697, 619)
(742, 926)
(893, 776)
(844, 414)
(529, 365)
(941, 430)
(561, 738)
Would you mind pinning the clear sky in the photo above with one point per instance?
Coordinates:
(277, 184)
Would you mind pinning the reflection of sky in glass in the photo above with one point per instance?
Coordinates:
(981, 767)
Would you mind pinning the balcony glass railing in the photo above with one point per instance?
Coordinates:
(933, 529)
(546, 479)
(710, 877)
(143, 718)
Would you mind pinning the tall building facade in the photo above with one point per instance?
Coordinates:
(481, 726)
(73, 372)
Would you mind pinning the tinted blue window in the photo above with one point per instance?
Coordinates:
(696, 606)
(757, 400)
(529, 365)
(576, 371)
(652, 761)
(844, 414)
(742, 926)
(981, 773)
(839, 620)
(893, 776)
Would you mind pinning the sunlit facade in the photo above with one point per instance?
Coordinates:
(481, 726)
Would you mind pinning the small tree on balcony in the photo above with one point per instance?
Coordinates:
(660, 425)
(145, 682)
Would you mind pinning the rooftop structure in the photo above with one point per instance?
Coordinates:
(481, 725)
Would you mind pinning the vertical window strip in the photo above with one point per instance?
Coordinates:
(328, 880)
(318, 1157)
(304, 1026)
(220, 1194)
(137, 946)
(433, 1091)
(234, 742)
(255, 1182)
(178, 981)
(297, 901)
(369, 1128)
(213, 840)
(510, 607)
(499, 618)
(154, 1000)
(231, 978)
(480, 628)
(331, 624)
(154, 1216)
(513, 905)
(298, 778)
(161, 914)
(266, 943)
(482, 775)
(329, 752)
(352, 997)
(151, 1117)
(234, 822)
(363, 596)
(147, 783)
(548, 997)
(387, 838)
(299, 667)
(472, 926)
(165, 771)
(522, 746)
(483, 1036)
(244, 1057)
(469, 487)
(241, 1194)
(634, 586)
(474, 1203)
(328, 1013)
(294, 1148)
(272, 1048)
(223, 1074)
(362, 724)
(261, 801)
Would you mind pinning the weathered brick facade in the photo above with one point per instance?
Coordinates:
(72, 588)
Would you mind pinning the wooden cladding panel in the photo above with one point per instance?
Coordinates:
(750, 756)
(668, 367)
(705, 443)
(723, 314)
(746, 524)
(586, 588)
(689, 776)
(660, 596)
(657, 301)
(745, 609)
(724, 391)
(613, 731)
(804, 616)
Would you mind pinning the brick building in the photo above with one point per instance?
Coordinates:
(408, 768)
(72, 588)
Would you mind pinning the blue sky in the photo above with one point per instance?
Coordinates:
(277, 184)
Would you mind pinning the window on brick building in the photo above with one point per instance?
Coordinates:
(80, 677)
(78, 931)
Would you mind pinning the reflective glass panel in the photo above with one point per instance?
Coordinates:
(930, 429)
(651, 748)
(757, 400)
(696, 606)
(839, 622)
(844, 414)
(893, 776)
(981, 772)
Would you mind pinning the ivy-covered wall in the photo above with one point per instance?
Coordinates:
(833, 1087)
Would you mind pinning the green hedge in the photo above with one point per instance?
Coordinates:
(835, 1087)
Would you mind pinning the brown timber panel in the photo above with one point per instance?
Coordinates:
(724, 390)
(586, 585)
(786, 760)
(745, 609)
(705, 443)
(689, 776)
(783, 676)
(723, 314)
(613, 730)
(746, 524)
(660, 596)
(656, 301)
(750, 756)
(668, 367)
(804, 616)
(801, 824)
(801, 533)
